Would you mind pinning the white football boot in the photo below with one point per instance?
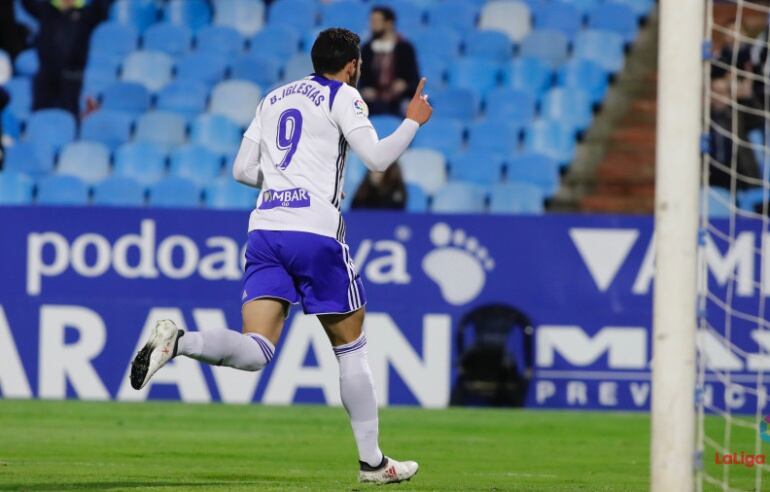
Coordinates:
(391, 471)
(159, 349)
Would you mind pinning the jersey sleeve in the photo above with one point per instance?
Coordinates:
(349, 110)
(254, 131)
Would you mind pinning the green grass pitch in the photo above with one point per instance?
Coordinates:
(70, 445)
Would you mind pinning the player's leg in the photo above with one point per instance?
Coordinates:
(268, 291)
(358, 397)
(251, 350)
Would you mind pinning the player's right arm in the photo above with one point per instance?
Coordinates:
(378, 154)
(246, 166)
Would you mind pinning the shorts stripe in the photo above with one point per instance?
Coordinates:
(353, 288)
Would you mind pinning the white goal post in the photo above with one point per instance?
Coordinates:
(677, 192)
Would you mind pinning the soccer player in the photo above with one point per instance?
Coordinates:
(296, 248)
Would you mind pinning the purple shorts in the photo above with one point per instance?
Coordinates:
(302, 267)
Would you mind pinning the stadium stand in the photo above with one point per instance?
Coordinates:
(514, 83)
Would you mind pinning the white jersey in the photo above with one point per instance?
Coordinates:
(301, 129)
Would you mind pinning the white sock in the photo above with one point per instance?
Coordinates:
(247, 351)
(357, 391)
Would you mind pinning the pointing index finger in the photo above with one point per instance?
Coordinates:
(420, 87)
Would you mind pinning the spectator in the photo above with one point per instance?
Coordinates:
(722, 138)
(62, 48)
(13, 36)
(389, 73)
(4, 98)
(381, 190)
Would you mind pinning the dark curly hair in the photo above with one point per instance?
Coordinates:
(333, 49)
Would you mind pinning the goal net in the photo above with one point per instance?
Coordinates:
(733, 336)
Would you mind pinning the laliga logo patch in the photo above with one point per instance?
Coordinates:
(361, 108)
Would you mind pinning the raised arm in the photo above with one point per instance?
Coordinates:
(378, 154)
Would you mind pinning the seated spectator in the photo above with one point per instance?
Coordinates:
(722, 138)
(389, 73)
(381, 190)
(62, 48)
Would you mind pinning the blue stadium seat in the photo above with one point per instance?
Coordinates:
(459, 15)
(89, 161)
(128, 97)
(61, 190)
(278, 41)
(119, 191)
(555, 139)
(384, 125)
(640, 7)
(262, 70)
(196, 163)
(219, 40)
(569, 105)
(528, 74)
(458, 197)
(191, 13)
(584, 75)
(443, 134)
(424, 167)
(454, 103)
(163, 128)
(561, 17)
(245, 16)
(50, 127)
(436, 43)
(476, 166)
(416, 199)
(355, 172)
(719, 203)
(748, 199)
(113, 40)
(201, 67)
(236, 99)
(476, 75)
(494, 135)
(26, 63)
(217, 133)
(15, 188)
(490, 45)
(516, 198)
(111, 128)
(24, 18)
(187, 99)
(226, 193)
(537, 7)
(298, 66)
(143, 161)
(615, 17)
(583, 6)
(29, 159)
(20, 90)
(175, 192)
(153, 69)
(349, 14)
(517, 106)
(98, 77)
(172, 39)
(601, 47)
(301, 15)
(513, 18)
(537, 169)
(549, 45)
(11, 125)
(435, 70)
(139, 13)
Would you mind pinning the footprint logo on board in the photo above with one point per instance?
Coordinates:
(458, 264)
